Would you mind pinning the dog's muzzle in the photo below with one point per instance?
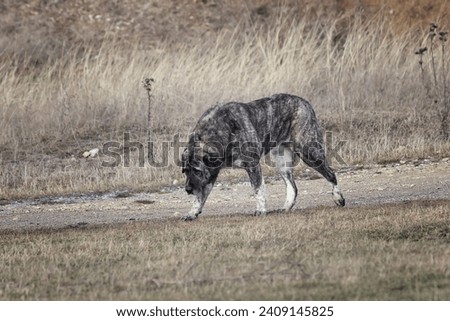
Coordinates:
(189, 190)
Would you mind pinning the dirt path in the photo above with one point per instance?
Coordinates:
(377, 185)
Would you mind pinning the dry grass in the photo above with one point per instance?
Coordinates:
(67, 86)
(360, 74)
(395, 252)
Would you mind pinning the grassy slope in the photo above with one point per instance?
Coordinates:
(395, 252)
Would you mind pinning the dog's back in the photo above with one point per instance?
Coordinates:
(266, 121)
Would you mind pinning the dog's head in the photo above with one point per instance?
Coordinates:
(195, 166)
(197, 175)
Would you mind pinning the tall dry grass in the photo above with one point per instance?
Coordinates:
(361, 75)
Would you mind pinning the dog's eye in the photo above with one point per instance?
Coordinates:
(197, 171)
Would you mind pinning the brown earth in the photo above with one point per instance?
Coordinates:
(381, 184)
(66, 23)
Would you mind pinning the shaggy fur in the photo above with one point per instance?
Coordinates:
(239, 134)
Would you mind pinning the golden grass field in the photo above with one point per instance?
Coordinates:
(65, 90)
(71, 80)
(392, 252)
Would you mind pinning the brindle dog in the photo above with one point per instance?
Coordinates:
(239, 134)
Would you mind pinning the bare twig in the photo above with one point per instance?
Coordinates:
(147, 82)
(436, 94)
(421, 52)
(432, 34)
(446, 106)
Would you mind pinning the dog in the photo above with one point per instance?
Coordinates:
(239, 134)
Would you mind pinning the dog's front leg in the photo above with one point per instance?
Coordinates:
(199, 201)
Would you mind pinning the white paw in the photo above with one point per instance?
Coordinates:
(188, 218)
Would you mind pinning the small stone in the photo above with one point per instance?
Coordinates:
(94, 152)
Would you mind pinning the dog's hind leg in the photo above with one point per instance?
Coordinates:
(313, 154)
(284, 157)
(257, 181)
